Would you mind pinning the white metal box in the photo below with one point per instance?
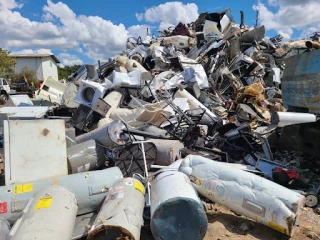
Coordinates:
(34, 149)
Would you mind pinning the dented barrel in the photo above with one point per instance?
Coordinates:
(90, 189)
(176, 210)
(248, 194)
(49, 215)
(120, 216)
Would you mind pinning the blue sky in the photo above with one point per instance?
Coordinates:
(85, 31)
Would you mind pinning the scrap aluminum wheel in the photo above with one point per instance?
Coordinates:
(311, 200)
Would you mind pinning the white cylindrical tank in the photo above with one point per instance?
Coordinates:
(120, 216)
(176, 210)
(282, 119)
(248, 194)
(50, 215)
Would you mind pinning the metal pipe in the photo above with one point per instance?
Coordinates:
(176, 211)
(312, 44)
(49, 215)
(120, 216)
(90, 189)
(242, 20)
(282, 119)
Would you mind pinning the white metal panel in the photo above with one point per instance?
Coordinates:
(34, 149)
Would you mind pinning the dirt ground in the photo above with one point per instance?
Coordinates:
(224, 224)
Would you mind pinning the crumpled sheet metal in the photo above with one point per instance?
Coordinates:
(199, 74)
(250, 195)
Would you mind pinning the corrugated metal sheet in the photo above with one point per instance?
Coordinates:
(301, 82)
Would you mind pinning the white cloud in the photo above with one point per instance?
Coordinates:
(69, 59)
(140, 16)
(97, 37)
(290, 15)
(47, 17)
(34, 51)
(62, 29)
(273, 2)
(10, 4)
(307, 33)
(138, 30)
(170, 13)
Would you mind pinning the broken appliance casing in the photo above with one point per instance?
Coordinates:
(51, 90)
(120, 216)
(34, 149)
(89, 92)
(176, 211)
(49, 215)
(90, 189)
(248, 194)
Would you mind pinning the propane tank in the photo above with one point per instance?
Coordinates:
(176, 211)
(49, 215)
(90, 189)
(120, 216)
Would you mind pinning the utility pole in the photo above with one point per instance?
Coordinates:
(257, 19)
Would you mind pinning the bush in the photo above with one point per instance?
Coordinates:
(27, 73)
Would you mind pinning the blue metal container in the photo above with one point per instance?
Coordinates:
(301, 83)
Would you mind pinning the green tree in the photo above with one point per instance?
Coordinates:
(7, 63)
(65, 72)
(27, 73)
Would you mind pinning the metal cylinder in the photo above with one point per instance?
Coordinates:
(312, 44)
(282, 119)
(120, 216)
(4, 229)
(176, 211)
(248, 194)
(90, 189)
(49, 215)
(110, 135)
(83, 157)
(167, 151)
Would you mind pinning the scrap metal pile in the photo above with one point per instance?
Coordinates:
(146, 132)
